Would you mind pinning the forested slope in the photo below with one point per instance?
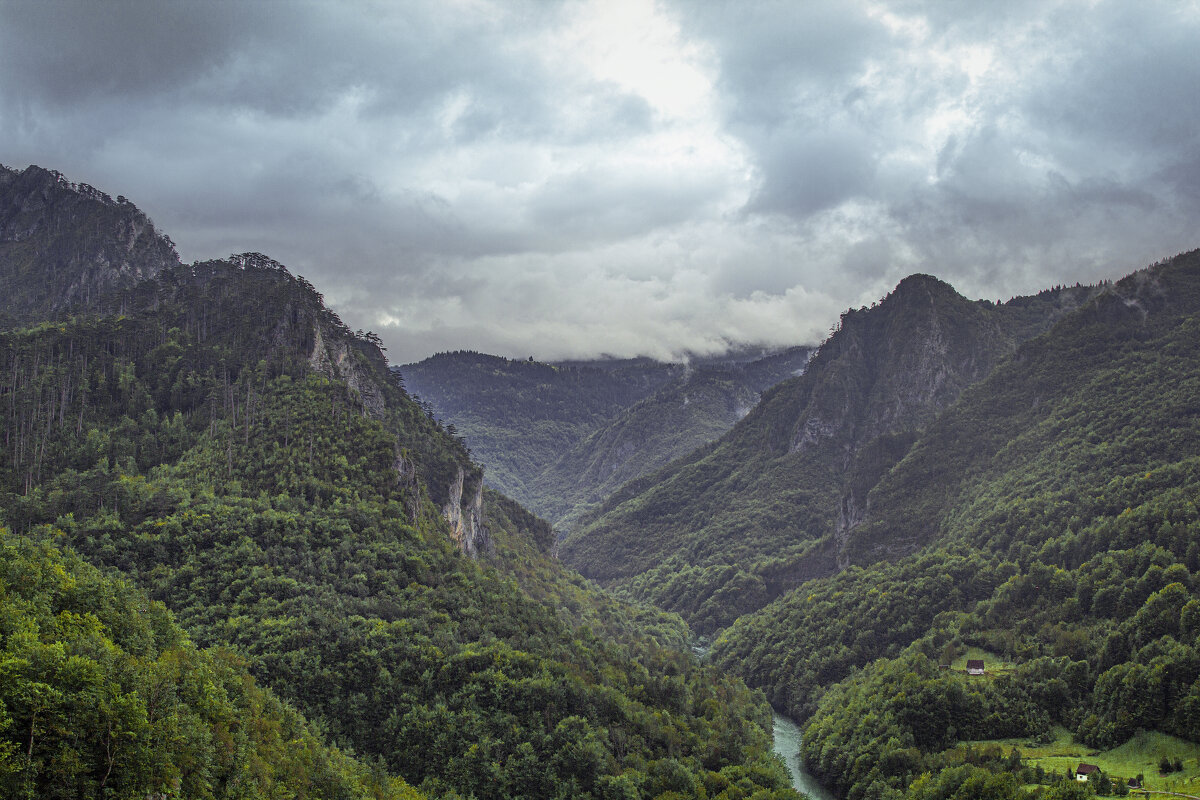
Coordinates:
(102, 694)
(1051, 517)
(680, 417)
(232, 449)
(727, 528)
(1078, 416)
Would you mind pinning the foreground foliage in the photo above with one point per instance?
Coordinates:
(102, 694)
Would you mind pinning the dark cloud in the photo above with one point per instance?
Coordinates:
(1129, 89)
(778, 58)
(593, 205)
(807, 172)
(59, 53)
(624, 176)
(1004, 147)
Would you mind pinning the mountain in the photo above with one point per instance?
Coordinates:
(213, 436)
(518, 416)
(1105, 394)
(65, 245)
(1046, 521)
(724, 530)
(234, 549)
(680, 417)
(560, 437)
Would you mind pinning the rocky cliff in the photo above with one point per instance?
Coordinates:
(66, 245)
(464, 512)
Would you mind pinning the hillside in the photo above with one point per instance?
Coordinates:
(1047, 518)
(560, 437)
(675, 420)
(104, 695)
(226, 445)
(724, 530)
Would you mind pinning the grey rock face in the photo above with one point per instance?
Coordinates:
(466, 518)
(67, 245)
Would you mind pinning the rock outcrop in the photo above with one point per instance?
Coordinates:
(336, 357)
(67, 245)
(466, 517)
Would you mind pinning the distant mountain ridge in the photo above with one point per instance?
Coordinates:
(561, 436)
(683, 415)
(517, 415)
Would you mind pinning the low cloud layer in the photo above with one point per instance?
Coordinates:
(577, 178)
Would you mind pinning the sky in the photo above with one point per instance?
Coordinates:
(624, 177)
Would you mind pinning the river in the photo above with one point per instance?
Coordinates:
(787, 744)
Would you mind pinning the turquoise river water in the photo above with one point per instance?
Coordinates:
(787, 744)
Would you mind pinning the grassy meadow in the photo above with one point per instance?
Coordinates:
(1139, 755)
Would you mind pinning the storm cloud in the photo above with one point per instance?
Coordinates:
(569, 179)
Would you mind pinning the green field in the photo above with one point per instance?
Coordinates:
(1140, 754)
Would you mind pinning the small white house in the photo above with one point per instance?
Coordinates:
(1084, 770)
(975, 666)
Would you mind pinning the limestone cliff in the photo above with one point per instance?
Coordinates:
(896, 365)
(338, 358)
(466, 518)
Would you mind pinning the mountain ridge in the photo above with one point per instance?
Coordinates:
(770, 501)
(1045, 523)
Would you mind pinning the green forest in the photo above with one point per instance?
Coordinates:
(239, 558)
(230, 575)
(104, 695)
(1016, 482)
(1052, 518)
